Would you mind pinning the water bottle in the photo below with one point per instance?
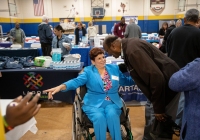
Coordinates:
(67, 64)
(51, 65)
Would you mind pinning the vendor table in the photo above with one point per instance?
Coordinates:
(84, 52)
(24, 52)
(21, 81)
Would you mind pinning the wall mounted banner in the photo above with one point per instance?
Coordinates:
(157, 5)
(127, 19)
(68, 24)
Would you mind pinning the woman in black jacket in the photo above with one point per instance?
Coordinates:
(163, 30)
(79, 32)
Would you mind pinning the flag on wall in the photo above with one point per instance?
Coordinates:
(38, 6)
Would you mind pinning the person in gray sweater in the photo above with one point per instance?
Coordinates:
(132, 30)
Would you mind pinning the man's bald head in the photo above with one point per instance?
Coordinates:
(17, 25)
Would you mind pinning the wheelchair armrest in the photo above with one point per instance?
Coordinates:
(120, 95)
(78, 94)
(127, 112)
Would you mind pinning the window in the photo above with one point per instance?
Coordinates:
(12, 8)
(181, 5)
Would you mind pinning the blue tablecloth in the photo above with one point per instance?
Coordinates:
(84, 52)
(16, 82)
(27, 44)
(152, 41)
(5, 44)
(130, 93)
(21, 52)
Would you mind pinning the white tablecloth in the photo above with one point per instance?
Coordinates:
(20, 130)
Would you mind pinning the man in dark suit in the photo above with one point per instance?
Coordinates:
(151, 71)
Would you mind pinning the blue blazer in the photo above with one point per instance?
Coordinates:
(95, 91)
(188, 80)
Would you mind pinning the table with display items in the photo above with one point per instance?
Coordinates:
(152, 41)
(20, 52)
(5, 44)
(15, 82)
(84, 52)
(28, 44)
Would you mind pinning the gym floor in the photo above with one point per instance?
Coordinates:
(54, 122)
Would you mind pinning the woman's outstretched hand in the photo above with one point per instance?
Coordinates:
(54, 90)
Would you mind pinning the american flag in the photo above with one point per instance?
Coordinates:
(38, 6)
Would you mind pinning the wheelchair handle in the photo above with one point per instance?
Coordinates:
(127, 112)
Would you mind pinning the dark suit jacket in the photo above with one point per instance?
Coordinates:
(151, 71)
(183, 44)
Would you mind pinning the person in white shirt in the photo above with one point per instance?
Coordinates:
(92, 32)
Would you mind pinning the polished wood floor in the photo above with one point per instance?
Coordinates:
(55, 123)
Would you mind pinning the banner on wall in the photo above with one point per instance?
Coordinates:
(157, 5)
(123, 7)
(68, 24)
(127, 19)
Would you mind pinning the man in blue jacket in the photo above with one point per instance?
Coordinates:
(45, 35)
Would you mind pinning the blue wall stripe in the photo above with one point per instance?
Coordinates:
(30, 29)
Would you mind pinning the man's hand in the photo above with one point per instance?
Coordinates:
(23, 110)
(161, 117)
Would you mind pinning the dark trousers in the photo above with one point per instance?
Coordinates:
(46, 49)
(171, 110)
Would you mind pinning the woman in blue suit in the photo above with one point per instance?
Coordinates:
(102, 103)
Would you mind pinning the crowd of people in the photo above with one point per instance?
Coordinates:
(168, 77)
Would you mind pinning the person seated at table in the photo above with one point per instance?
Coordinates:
(102, 103)
(19, 111)
(163, 30)
(59, 39)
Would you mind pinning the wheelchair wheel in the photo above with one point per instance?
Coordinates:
(78, 132)
(126, 133)
(75, 125)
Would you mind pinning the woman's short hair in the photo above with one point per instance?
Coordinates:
(59, 28)
(94, 52)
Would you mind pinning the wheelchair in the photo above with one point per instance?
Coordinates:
(81, 124)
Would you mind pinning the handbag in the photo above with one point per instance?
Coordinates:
(164, 130)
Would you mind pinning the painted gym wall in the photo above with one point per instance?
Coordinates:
(55, 9)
